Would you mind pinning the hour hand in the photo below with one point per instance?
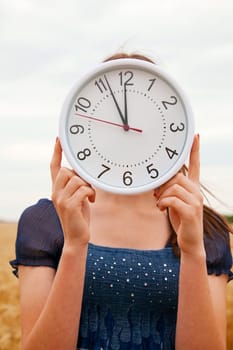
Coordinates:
(125, 103)
(126, 127)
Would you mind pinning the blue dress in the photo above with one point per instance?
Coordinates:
(130, 296)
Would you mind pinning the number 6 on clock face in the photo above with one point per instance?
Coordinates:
(126, 126)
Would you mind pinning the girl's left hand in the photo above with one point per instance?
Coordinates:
(184, 201)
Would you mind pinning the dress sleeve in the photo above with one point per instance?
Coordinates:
(219, 255)
(39, 238)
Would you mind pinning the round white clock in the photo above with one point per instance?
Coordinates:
(126, 127)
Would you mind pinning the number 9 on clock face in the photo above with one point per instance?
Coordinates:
(126, 126)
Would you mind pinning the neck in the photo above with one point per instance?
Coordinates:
(141, 201)
(122, 220)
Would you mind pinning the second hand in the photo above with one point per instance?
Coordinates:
(106, 122)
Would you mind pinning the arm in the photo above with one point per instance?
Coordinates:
(51, 302)
(201, 319)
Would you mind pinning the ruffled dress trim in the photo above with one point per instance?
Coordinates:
(104, 328)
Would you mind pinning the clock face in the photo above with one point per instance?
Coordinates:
(126, 127)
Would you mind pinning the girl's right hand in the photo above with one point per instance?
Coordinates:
(70, 196)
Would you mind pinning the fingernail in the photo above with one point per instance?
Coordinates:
(57, 138)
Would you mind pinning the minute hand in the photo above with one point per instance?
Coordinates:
(117, 106)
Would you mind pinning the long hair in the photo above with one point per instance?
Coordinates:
(213, 222)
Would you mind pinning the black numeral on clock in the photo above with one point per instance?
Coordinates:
(77, 129)
(84, 154)
(127, 178)
(82, 104)
(175, 128)
(153, 172)
(100, 85)
(171, 153)
(151, 83)
(106, 168)
(171, 103)
(126, 77)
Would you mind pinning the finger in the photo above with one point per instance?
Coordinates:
(179, 179)
(176, 204)
(194, 161)
(62, 178)
(178, 192)
(84, 192)
(55, 164)
(73, 184)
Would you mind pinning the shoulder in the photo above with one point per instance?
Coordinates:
(42, 215)
(39, 236)
(218, 251)
(39, 209)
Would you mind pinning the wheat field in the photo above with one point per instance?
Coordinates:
(9, 296)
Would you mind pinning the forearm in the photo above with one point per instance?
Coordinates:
(58, 323)
(197, 327)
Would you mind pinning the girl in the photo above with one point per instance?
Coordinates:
(105, 271)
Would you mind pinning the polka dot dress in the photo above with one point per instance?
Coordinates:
(130, 299)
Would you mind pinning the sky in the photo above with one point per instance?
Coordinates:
(46, 45)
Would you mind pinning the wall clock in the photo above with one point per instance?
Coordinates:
(126, 126)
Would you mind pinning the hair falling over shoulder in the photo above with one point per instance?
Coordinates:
(213, 222)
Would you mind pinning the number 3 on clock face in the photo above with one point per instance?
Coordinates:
(126, 126)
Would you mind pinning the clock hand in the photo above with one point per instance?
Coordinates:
(125, 125)
(125, 101)
(107, 122)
